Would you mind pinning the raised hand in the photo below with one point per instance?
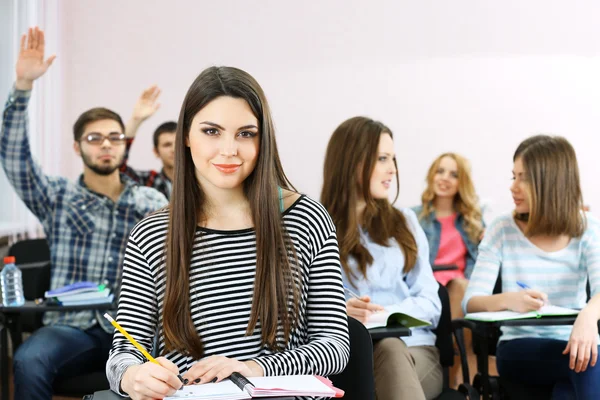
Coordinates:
(31, 64)
(146, 105)
(143, 109)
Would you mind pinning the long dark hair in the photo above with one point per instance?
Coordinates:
(352, 149)
(276, 269)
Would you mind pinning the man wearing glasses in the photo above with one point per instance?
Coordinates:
(87, 224)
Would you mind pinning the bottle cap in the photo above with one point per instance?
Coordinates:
(9, 260)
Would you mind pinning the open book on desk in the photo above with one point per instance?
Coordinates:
(545, 311)
(238, 387)
(392, 316)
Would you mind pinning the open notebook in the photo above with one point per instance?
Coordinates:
(545, 311)
(238, 388)
(392, 316)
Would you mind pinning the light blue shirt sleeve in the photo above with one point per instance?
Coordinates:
(489, 259)
(423, 301)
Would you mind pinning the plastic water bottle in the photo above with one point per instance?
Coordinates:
(12, 284)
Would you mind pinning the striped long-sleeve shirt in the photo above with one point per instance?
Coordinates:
(222, 273)
(561, 274)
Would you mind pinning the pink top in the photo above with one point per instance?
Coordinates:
(452, 251)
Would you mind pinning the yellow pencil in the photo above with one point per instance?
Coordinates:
(135, 343)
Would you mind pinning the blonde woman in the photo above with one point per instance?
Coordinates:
(451, 219)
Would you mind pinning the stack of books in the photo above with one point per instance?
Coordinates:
(81, 293)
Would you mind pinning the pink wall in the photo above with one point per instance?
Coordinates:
(473, 77)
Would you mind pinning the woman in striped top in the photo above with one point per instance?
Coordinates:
(240, 273)
(549, 245)
(384, 255)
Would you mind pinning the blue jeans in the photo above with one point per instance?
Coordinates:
(54, 352)
(541, 362)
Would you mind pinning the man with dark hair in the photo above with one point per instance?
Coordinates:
(87, 225)
(164, 144)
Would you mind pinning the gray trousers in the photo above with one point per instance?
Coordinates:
(403, 372)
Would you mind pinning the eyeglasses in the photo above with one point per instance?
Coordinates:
(97, 139)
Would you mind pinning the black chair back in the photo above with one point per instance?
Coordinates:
(357, 379)
(32, 256)
(444, 330)
(30, 251)
(36, 280)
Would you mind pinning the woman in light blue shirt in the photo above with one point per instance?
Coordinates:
(549, 245)
(384, 254)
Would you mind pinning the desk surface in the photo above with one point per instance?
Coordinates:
(110, 395)
(30, 306)
(396, 331)
(543, 321)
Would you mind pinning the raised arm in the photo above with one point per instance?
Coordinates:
(31, 64)
(143, 109)
(35, 189)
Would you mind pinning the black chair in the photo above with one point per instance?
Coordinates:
(30, 251)
(440, 267)
(357, 379)
(444, 333)
(33, 258)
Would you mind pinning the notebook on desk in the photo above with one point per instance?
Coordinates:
(392, 316)
(545, 311)
(239, 388)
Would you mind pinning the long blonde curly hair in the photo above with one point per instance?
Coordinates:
(466, 201)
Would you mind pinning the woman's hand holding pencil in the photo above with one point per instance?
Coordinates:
(360, 307)
(155, 379)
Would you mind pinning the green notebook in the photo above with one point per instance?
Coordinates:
(545, 311)
(393, 317)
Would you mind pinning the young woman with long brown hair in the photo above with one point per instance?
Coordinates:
(239, 273)
(384, 255)
(550, 245)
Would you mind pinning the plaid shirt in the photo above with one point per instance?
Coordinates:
(87, 232)
(157, 180)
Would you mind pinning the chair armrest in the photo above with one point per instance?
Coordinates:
(438, 268)
(469, 391)
(458, 331)
(107, 395)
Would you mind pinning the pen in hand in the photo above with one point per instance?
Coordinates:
(526, 286)
(351, 293)
(371, 307)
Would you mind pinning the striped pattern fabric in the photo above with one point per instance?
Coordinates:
(87, 232)
(222, 276)
(562, 274)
